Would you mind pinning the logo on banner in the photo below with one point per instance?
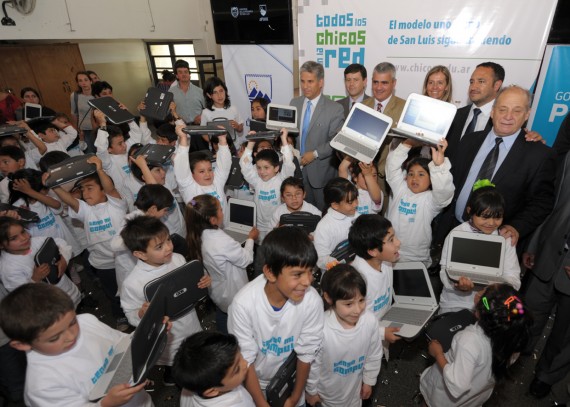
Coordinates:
(259, 86)
(235, 12)
(263, 9)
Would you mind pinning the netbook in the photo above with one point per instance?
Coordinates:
(110, 108)
(69, 170)
(263, 135)
(425, 119)
(180, 287)
(49, 254)
(281, 385)
(242, 215)
(156, 104)
(226, 124)
(257, 125)
(363, 133)
(477, 256)
(204, 130)
(282, 116)
(25, 214)
(135, 354)
(236, 179)
(414, 300)
(156, 154)
(32, 111)
(9, 130)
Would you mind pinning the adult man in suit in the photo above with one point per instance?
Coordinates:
(355, 82)
(321, 119)
(523, 172)
(548, 285)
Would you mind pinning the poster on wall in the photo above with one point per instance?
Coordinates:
(416, 35)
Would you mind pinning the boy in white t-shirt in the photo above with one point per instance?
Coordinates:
(211, 370)
(66, 353)
(279, 312)
(293, 197)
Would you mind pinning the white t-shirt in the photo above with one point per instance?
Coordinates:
(331, 230)
(231, 113)
(366, 205)
(282, 210)
(67, 379)
(238, 397)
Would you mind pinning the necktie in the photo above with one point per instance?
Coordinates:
(379, 107)
(471, 127)
(488, 167)
(305, 129)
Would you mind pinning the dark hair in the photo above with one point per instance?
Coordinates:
(262, 102)
(211, 84)
(422, 162)
(167, 131)
(337, 190)
(368, 233)
(355, 68)
(292, 182)
(79, 90)
(139, 231)
(168, 76)
(486, 202)
(6, 222)
(269, 155)
(52, 158)
(34, 177)
(198, 213)
(355, 169)
(99, 87)
(256, 149)
(505, 322)
(114, 132)
(135, 170)
(198, 156)
(31, 309)
(43, 126)
(180, 63)
(91, 177)
(4, 139)
(498, 70)
(342, 282)
(153, 194)
(15, 153)
(92, 73)
(203, 360)
(288, 247)
(29, 89)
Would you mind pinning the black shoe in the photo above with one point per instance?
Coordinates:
(167, 378)
(538, 389)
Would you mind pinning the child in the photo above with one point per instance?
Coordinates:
(480, 354)
(415, 205)
(374, 241)
(485, 210)
(76, 148)
(12, 159)
(211, 370)
(341, 200)
(259, 109)
(293, 198)
(267, 179)
(218, 105)
(149, 241)
(348, 361)
(223, 257)
(17, 259)
(46, 136)
(66, 352)
(277, 312)
(365, 176)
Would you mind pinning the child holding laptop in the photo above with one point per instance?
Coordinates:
(485, 210)
(365, 177)
(293, 197)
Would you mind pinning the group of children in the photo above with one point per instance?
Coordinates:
(127, 214)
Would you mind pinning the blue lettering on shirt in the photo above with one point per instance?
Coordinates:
(101, 370)
(344, 368)
(269, 196)
(408, 209)
(363, 210)
(97, 226)
(126, 169)
(273, 346)
(381, 301)
(46, 222)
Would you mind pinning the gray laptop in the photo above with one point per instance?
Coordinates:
(477, 256)
(363, 133)
(425, 119)
(282, 116)
(242, 216)
(414, 300)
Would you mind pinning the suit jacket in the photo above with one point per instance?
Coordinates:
(346, 104)
(548, 241)
(454, 134)
(525, 179)
(326, 122)
(393, 109)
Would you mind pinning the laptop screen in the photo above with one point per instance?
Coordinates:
(477, 252)
(426, 116)
(241, 214)
(279, 114)
(32, 111)
(367, 124)
(411, 283)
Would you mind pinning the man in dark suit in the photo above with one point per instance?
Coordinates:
(548, 285)
(524, 171)
(355, 83)
(321, 120)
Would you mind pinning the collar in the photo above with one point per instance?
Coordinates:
(314, 101)
(384, 103)
(508, 141)
(485, 109)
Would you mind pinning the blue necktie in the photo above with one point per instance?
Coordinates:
(305, 129)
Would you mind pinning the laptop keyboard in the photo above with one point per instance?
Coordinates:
(481, 279)
(237, 236)
(407, 316)
(124, 371)
(359, 148)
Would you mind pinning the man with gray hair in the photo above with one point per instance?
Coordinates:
(321, 119)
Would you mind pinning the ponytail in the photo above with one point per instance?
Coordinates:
(199, 211)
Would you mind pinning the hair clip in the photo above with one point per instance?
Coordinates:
(518, 308)
(481, 184)
(485, 303)
(193, 203)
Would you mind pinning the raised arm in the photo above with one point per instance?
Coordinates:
(106, 181)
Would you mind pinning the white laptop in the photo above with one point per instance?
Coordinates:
(282, 116)
(363, 133)
(414, 300)
(425, 119)
(478, 256)
(241, 219)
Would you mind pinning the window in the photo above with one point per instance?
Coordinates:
(163, 55)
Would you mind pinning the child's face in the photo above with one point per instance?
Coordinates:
(58, 338)
(163, 141)
(18, 242)
(235, 374)
(293, 197)
(118, 146)
(159, 175)
(347, 208)
(50, 136)
(418, 179)
(265, 170)
(292, 283)
(349, 311)
(218, 96)
(203, 173)
(92, 193)
(257, 112)
(264, 145)
(390, 248)
(8, 165)
(158, 252)
(486, 225)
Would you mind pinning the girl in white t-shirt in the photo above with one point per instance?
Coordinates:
(365, 177)
(219, 107)
(349, 359)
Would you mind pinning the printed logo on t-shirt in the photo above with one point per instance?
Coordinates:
(278, 347)
(269, 196)
(102, 369)
(381, 301)
(46, 222)
(215, 195)
(126, 169)
(344, 368)
(408, 209)
(101, 225)
(363, 210)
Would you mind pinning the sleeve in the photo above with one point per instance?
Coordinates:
(204, 119)
(275, 219)
(442, 184)
(15, 276)
(373, 357)
(53, 396)
(315, 374)
(447, 283)
(394, 173)
(223, 166)
(182, 172)
(322, 245)
(458, 375)
(64, 248)
(233, 252)
(288, 167)
(67, 136)
(311, 336)
(102, 144)
(241, 325)
(81, 214)
(131, 301)
(325, 150)
(248, 169)
(512, 269)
